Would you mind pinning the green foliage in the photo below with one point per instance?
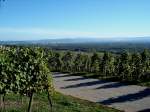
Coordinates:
(125, 68)
(95, 62)
(81, 63)
(67, 61)
(107, 65)
(24, 71)
(55, 61)
(133, 67)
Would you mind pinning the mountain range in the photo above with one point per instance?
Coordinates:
(81, 40)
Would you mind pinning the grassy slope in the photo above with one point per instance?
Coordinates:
(62, 103)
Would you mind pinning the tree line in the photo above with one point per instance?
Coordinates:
(124, 67)
(24, 71)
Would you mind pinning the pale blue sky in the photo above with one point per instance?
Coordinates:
(43, 19)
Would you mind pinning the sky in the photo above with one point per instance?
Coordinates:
(46, 19)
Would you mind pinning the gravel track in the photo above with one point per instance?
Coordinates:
(129, 98)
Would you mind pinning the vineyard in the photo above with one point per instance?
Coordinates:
(128, 67)
(24, 71)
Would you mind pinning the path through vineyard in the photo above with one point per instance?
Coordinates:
(130, 98)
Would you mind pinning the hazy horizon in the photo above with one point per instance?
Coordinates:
(83, 39)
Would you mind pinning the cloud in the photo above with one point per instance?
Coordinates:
(9, 33)
(47, 32)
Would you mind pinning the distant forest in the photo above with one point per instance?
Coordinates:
(114, 47)
(101, 47)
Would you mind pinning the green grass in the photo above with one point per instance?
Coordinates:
(61, 103)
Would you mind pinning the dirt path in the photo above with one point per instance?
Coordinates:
(130, 98)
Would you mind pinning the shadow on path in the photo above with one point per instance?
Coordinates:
(129, 97)
(76, 79)
(145, 110)
(85, 84)
(61, 76)
(112, 85)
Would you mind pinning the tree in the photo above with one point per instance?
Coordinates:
(107, 64)
(81, 63)
(55, 62)
(86, 63)
(95, 60)
(67, 61)
(145, 60)
(125, 70)
(58, 61)
(145, 63)
(4, 77)
(24, 71)
(36, 74)
(136, 67)
(78, 62)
